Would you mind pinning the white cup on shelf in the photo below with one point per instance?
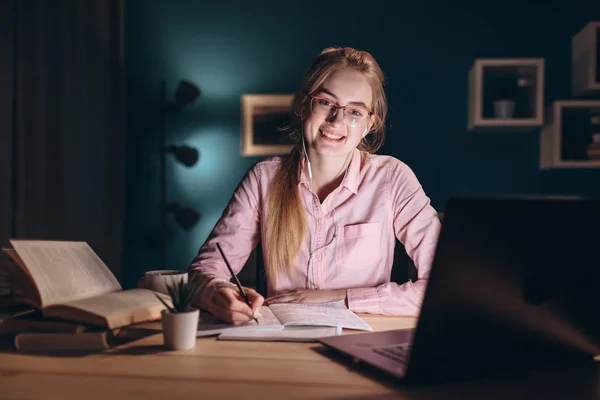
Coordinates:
(504, 109)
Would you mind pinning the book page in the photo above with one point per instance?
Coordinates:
(64, 271)
(21, 286)
(326, 314)
(289, 334)
(16, 259)
(208, 325)
(117, 302)
(120, 308)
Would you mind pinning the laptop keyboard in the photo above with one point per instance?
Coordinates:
(397, 352)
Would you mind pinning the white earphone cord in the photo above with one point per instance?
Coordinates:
(335, 222)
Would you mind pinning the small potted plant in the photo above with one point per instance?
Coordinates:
(180, 321)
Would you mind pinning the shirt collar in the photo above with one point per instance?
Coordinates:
(352, 177)
(303, 177)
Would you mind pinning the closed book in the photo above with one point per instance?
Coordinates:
(36, 323)
(38, 342)
(593, 154)
(594, 145)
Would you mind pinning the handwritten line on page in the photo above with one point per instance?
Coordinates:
(330, 314)
(278, 317)
(208, 325)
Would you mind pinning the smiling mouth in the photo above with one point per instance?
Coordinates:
(332, 136)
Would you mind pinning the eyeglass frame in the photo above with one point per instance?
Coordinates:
(337, 106)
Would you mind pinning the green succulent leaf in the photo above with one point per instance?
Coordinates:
(182, 293)
(171, 309)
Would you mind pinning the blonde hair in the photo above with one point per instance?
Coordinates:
(285, 221)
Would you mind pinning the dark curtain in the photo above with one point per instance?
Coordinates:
(6, 124)
(63, 141)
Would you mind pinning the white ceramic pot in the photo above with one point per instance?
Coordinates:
(179, 329)
(504, 108)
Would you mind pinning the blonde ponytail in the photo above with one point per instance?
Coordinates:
(285, 222)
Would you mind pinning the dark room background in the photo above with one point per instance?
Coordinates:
(425, 49)
(62, 124)
(231, 48)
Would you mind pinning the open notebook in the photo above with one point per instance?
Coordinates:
(294, 322)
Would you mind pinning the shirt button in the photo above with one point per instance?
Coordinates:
(318, 256)
(320, 220)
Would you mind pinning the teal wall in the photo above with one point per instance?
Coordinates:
(235, 47)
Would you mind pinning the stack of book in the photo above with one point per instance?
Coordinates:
(593, 150)
(70, 300)
(31, 332)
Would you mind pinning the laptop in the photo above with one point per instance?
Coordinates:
(515, 284)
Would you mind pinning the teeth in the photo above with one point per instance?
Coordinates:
(329, 135)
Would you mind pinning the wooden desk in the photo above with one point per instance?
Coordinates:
(244, 370)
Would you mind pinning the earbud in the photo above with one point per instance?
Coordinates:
(307, 160)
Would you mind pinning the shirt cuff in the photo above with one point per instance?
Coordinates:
(363, 300)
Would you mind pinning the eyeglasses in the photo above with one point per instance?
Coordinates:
(354, 116)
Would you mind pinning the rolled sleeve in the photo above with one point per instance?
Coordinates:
(237, 232)
(363, 300)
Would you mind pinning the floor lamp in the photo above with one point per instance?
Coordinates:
(185, 95)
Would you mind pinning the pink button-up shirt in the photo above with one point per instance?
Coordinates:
(350, 239)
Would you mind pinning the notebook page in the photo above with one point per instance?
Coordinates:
(65, 271)
(208, 325)
(289, 334)
(328, 314)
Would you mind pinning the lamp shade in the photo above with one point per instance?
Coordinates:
(186, 217)
(186, 155)
(186, 94)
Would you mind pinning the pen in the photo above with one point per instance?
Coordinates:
(237, 281)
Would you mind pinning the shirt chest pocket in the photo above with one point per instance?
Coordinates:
(359, 246)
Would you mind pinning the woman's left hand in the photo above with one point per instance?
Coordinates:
(307, 296)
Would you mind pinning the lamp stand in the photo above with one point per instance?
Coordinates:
(163, 175)
(185, 95)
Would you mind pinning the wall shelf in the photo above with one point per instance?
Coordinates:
(585, 53)
(506, 94)
(567, 136)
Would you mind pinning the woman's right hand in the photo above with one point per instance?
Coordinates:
(227, 304)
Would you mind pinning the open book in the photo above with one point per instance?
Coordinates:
(287, 321)
(67, 280)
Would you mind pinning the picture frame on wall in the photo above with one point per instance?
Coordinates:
(263, 116)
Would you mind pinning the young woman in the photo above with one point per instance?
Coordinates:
(328, 213)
